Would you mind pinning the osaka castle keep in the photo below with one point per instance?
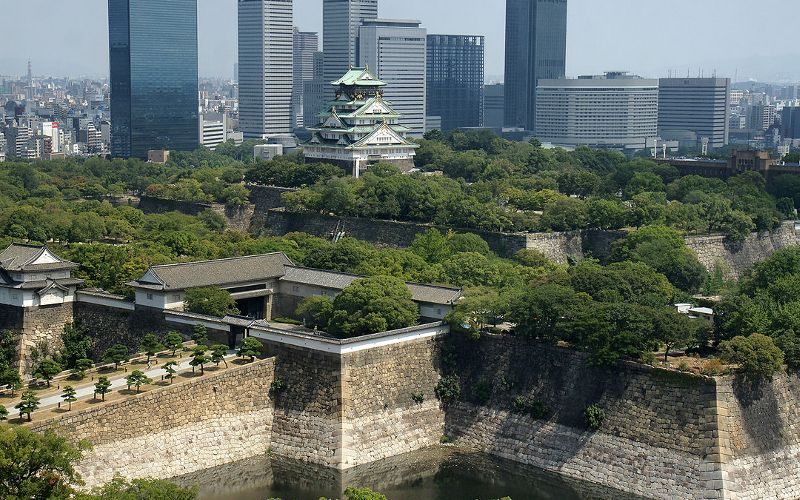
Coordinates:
(359, 128)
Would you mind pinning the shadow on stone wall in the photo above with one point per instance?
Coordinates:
(761, 413)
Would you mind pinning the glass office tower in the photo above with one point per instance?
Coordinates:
(536, 49)
(154, 90)
(455, 80)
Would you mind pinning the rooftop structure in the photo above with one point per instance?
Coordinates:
(360, 128)
(267, 285)
(32, 276)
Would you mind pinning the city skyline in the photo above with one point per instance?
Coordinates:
(611, 36)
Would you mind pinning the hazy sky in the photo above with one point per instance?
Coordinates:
(649, 37)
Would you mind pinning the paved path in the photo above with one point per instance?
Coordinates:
(118, 381)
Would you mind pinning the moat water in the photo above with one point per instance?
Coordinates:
(440, 473)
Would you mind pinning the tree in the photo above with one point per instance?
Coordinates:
(139, 489)
(363, 494)
(250, 348)
(151, 345)
(539, 312)
(170, 369)
(117, 354)
(28, 404)
(173, 341)
(674, 330)
(81, 366)
(756, 355)
(77, 346)
(46, 370)
(68, 395)
(138, 379)
(102, 387)
(372, 305)
(210, 302)
(218, 352)
(199, 358)
(316, 311)
(200, 334)
(10, 377)
(3, 413)
(34, 465)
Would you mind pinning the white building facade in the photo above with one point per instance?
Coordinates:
(616, 110)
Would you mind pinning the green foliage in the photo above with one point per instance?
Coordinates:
(170, 369)
(151, 345)
(46, 370)
(200, 358)
(137, 379)
(286, 173)
(210, 302)
(448, 389)
(34, 465)
(482, 392)
(316, 311)
(362, 494)
(117, 354)
(756, 355)
(250, 348)
(28, 404)
(372, 305)
(200, 334)
(277, 386)
(174, 341)
(664, 250)
(595, 416)
(68, 395)
(77, 346)
(102, 387)
(81, 366)
(3, 413)
(534, 408)
(139, 489)
(218, 352)
(417, 397)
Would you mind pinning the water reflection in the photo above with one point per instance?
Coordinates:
(440, 473)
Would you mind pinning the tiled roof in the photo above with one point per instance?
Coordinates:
(221, 273)
(360, 77)
(339, 281)
(18, 257)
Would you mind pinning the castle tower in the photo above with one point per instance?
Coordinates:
(360, 128)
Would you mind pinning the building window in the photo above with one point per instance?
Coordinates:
(149, 296)
(296, 289)
(176, 298)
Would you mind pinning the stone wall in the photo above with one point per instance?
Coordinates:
(175, 430)
(655, 442)
(42, 329)
(737, 257)
(238, 218)
(759, 437)
(381, 417)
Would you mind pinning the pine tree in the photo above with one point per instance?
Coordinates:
(69, 396)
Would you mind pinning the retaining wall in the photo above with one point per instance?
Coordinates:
(175, 430)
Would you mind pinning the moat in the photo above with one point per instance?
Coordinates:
(437, 473)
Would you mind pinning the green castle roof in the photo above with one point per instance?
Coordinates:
(359, 77)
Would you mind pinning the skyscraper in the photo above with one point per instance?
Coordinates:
(455, 79)
(306, 45)
(341, 20)
(266, 37)
(153, 58)
(536, 49)
(694, 106)
(395, 51)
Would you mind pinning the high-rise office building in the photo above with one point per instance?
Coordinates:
(790, 122)
(341, 20)
(306, 45)
(616, 110)
(314, 93)
(455, 75)
(395, 50)
(153, 57)
(493, 106)
(266, 36)
(536, 49)
(699, 106)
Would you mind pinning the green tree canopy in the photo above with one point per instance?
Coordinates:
(210, 302)
(372, 305)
